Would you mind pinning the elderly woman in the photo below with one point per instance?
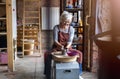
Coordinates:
(63, 37)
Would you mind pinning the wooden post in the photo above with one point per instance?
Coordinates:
(9, 35)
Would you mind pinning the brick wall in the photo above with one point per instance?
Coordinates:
(105, 21)
(94, 61)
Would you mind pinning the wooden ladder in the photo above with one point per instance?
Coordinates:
(31, 25)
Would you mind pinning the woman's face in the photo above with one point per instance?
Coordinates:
(65, 23)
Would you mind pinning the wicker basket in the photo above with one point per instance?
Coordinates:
(29, 45)
(63, 58)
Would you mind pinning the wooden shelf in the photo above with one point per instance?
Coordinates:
(78, 26)
(30, 6)
(29, 50)
(31, 30)
(77, 20)
(28, 43)
(1, 3)
(3, 33)
(3, 63)
(1, 18)
(33, 11)
(32, 17)
(3, 29)
(32, 0)
(30, 35)
(32, 23)
(8, 41)
(73, 9)
(2, 48)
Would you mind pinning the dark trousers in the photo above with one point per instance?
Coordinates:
(47, 68)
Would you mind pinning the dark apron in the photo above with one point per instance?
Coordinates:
(62, 39)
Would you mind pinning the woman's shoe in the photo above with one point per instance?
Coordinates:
(80, 77)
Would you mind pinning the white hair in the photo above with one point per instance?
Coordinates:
(66, 16)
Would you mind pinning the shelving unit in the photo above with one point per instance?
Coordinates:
(19, 36)
(8, 45)
(31, 24)
(76, 8)
(3, 34)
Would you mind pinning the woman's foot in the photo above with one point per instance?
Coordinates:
(80, 77)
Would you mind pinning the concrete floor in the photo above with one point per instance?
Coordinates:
(31, 67)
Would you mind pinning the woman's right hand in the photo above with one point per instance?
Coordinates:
(60, 47)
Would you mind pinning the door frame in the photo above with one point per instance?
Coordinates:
(89, 24)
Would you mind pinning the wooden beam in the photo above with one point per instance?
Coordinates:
(9, 35)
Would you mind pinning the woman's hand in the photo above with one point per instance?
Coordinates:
(60, 47)
(68, 46)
